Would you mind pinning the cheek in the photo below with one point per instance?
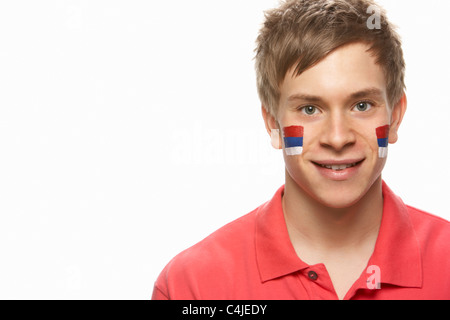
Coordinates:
(382, 134)
(293, 140)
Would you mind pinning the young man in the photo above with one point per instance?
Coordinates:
(332, 90)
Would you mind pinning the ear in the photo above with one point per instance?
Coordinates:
(272, 128)
(398, 112)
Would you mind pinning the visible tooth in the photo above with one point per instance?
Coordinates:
(338, 166)
(342, 166)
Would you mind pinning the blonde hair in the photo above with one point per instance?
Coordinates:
(301, 33)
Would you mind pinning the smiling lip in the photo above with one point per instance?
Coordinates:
(338, 170)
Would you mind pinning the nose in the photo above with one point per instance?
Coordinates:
(337, 133)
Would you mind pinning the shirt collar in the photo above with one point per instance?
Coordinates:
(396, 251)
(276, 257)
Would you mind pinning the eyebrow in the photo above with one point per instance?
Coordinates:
(373, 92)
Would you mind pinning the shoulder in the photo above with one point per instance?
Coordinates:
(217, 246)
(427, 223)
(210, 261)
(433, 237)
(432, 232)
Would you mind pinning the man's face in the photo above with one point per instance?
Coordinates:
(339, 103)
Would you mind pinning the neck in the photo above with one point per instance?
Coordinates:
(323, 228)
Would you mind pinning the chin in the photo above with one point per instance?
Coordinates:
(339, 202)
(339, 195)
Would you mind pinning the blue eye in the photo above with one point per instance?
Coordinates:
(363, 106)
(309, 110)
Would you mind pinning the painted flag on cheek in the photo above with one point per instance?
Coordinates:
(293, 140)
(383, 140)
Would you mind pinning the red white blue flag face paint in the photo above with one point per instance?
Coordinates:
(383, 137)
(293, 140)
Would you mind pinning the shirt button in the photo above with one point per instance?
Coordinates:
(312, 275)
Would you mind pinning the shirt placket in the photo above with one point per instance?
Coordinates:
(317, 283)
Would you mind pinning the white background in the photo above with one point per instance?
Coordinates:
(130, 130)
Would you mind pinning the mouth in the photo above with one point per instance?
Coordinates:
(338, 169)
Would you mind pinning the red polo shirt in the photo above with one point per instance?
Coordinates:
(253, 258)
